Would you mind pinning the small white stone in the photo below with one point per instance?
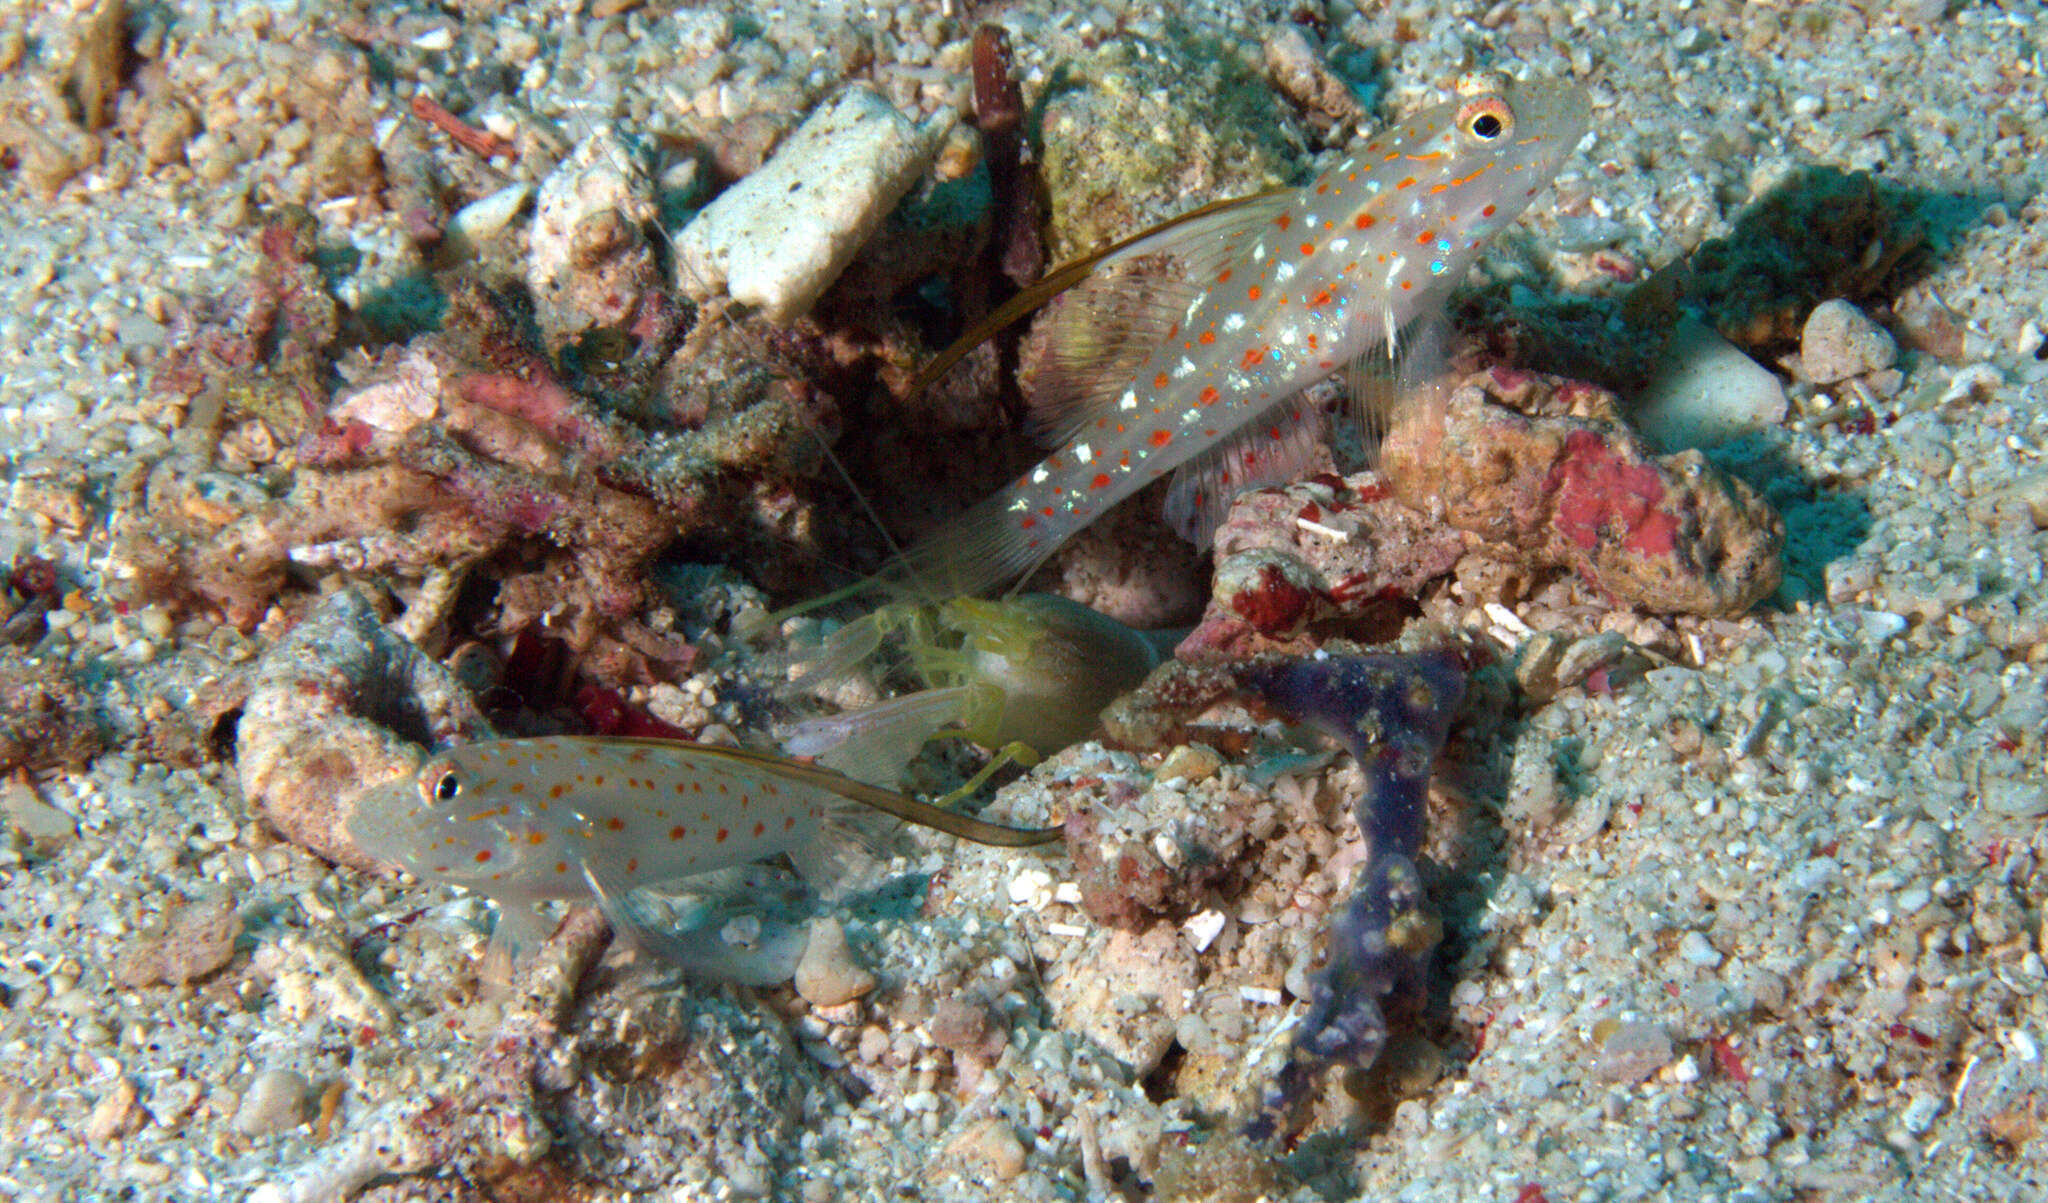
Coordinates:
(828, 975)
(1697, 950)
(2023, 1045)
(1031, 886)
(1839, 341)
(1707, 391)
(1920, 1113)
(479, 221)
(781, 236)
(275, 1102)
(1203, 927)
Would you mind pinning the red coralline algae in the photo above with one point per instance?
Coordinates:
(1326, 553)
(1597, 490)
(1276, 605)
(1545, 473)
(543, 402)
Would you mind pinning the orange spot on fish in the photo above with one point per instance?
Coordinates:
(1405, 182)
(789, 824)
(678, 832)
(1161, 438)
(561, 866)
(1028, 523)
(483, 856)
(720, 837)
(758, 829)
(632, 864)
(1099, 481)
(598, 780)
(1253, 358)
(1208, 397)
(1488, 211)
(1365, 221)
(1207, 337)
(1406, 285)
(536, 838)
(1047, 511)
(615, 823)
(1321, 298)
(1322, 187)
(557, 791)
(1284, 220)
(1254, 292)
(1224, 278)
(1161, 380)
(1425, 238)
(1307, 249)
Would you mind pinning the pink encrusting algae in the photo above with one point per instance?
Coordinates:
(1282, 291)
(594, 819)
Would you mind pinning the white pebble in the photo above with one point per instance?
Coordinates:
(780, 237)
(1698, 950)
(1707, 391)
(275, 1102)
(828, 975)
(1839, 341)
(1203, 927)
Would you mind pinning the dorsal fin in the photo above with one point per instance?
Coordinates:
(1245, 211)
(1274, 448)
(1094, 342)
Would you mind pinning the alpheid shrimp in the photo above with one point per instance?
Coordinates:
(1025, 675)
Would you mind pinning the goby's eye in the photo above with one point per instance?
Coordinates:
(448, 788)
(1487, 119)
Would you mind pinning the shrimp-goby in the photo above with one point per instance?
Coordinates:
(1201, 372)
(527, 821)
